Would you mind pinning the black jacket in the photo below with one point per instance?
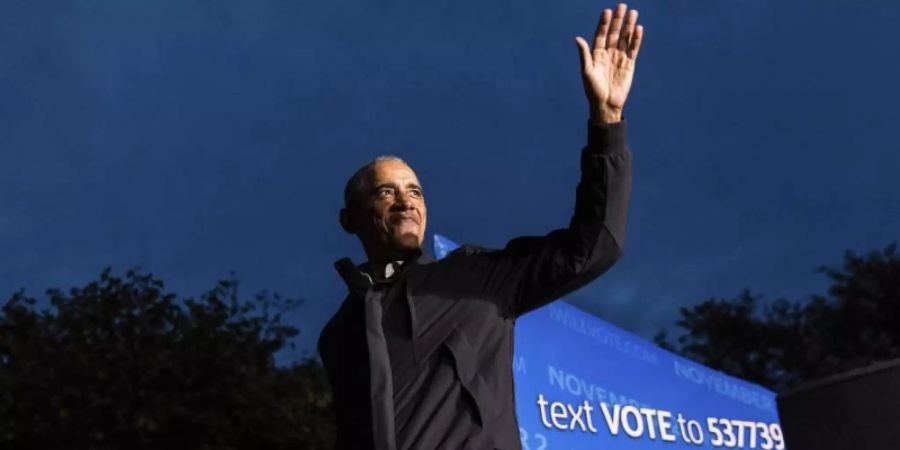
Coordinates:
(447, 329)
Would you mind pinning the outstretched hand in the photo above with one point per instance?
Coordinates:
(608, 69)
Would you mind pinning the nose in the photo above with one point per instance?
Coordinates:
(402, 200)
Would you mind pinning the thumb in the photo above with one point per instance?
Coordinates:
(584, 53)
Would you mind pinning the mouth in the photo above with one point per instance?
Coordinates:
(401, 218)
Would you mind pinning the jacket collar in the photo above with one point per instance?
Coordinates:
(358, 282)
(356, 277)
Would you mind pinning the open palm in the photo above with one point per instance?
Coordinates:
(608, 69)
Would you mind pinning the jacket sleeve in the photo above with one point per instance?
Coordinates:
(532, 271)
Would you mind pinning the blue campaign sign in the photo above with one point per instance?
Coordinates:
(582, 383)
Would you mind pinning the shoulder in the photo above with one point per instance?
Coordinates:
(332, 327)
(465, 255)
(457, 268)
(469, 250)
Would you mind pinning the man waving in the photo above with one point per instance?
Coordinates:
(419, 354)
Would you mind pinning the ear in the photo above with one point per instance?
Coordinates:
(346, 223)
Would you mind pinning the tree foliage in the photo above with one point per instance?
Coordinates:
(782, 343)
(121, 364)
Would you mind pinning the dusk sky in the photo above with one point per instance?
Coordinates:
(192, 138)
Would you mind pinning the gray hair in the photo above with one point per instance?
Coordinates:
(356, 185)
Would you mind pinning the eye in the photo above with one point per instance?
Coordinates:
(417, 193)
(384, 192)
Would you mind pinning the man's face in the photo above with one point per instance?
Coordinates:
(393, 210)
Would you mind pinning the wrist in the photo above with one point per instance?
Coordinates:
(606, 115)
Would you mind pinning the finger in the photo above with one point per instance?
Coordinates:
(602, 29)
(584, 53)
(628, 30)
(636, 42)
(615, 27)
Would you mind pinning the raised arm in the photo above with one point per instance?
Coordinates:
(532, 271)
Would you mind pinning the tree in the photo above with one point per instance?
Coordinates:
(783, 343)
(122, 364)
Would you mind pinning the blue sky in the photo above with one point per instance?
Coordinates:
(194, 138)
